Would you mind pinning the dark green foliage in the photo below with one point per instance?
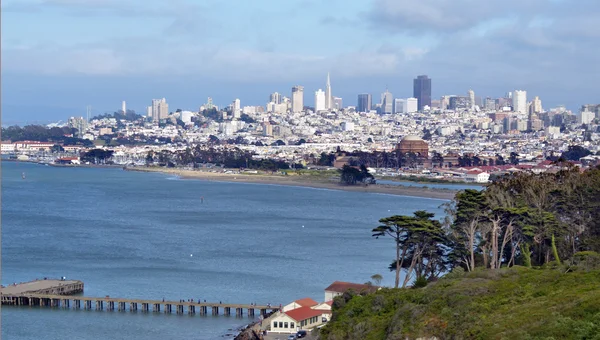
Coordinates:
(575, 153)
(350, 175)
(510, 303)
(97, 156)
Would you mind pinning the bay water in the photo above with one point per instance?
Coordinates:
(150, 235)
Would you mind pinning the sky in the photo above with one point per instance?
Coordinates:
(58, 56)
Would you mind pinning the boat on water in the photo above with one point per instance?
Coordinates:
(23, 175)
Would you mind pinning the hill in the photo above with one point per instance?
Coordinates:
(509, 303)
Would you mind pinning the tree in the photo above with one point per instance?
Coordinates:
(376, 278)
(514, 158)
(575, 153)
(57, 148)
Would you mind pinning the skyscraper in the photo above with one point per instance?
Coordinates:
(536, 105)
(412, 105)
(236, 108)
(319, 100)
(422, 91)
(338, 103)
(328, 95)
(387, 102)
(123, 107)
(399, 105)
(275, 98)
(519, 101)
(472, 99)
(297, 98)
(364, 102)
(160, 109)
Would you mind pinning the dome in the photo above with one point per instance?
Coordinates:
(412, 138)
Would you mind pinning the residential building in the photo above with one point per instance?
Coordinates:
(586, 117)
(422, 91)
(519, 101)
(364, 102)
(387, 102)
(412, 105)
(338, 103)
(236, 108)
(275, 98)
(296, 319)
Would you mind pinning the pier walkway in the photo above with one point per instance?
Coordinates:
(58, 294)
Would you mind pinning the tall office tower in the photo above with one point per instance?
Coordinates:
(364, 102)
(472, 99)
(412, 105)
(490, 104)
(123, 107)
(275, 98)
(236, 108)
(387, 102)
(338, 104)
(399, 105)
(297, 98)
(519, 101)
(319, 100)
(536, 105)
(160, 109)
(328, 95)
(78, 123)
(422, 91)
(149, 111)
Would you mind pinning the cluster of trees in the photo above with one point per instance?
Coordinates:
(129, 115)
(207, 154)
(350, 175)
(520, 219)
(41, 133)
(375, 159)
(97, 156)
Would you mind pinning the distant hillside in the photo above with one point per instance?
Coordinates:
(513, 303)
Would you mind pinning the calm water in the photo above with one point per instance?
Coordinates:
(431, 185)
(129, 234)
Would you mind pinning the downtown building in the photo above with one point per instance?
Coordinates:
(422, 91)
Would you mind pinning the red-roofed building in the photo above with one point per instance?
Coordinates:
(306, 302)
(294, 320)
(338, 288)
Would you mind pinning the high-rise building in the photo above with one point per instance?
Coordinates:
(123, 107)
(338, 103)
(236, 108)
(490, 104)
(319, 100)
(209, 104)
(328, 95)
(412, 105)
(519, 103)
(445, 102)
(297, 98)
(399, 105)
(387, 102)
(364, 102)
(160, 109)
(536, 105)
(422, 91)
(472, 99)
(78, 123)
(275, 97)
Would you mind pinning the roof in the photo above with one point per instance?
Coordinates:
(412, 137)
(341, 287)
(306, 302)
(303, 313)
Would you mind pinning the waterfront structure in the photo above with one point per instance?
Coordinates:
(328, 95)
(305, 302)
(364, 102)
(387, 102)
(275, 97)
(320, 101)
(422, 91)
(414, 144)
(160, 109)
(519, 101)
(297, 98)
(296, 319)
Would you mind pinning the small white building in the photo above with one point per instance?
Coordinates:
(306, 302)
(296, 319)
(477, 176)
(338, 288)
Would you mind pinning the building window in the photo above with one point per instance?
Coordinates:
(275, 324)
(291, 325)
(280, 324)
(285, 325)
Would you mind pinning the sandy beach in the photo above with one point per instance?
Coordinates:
(302, 181)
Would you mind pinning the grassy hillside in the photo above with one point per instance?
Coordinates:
(513, 303)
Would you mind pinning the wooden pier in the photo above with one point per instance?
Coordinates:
(58, 294)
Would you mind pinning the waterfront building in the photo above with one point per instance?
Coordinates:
(297, 98)
(422, 91)
(364, 102)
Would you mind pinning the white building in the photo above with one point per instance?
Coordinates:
(297, 98)
(236, 108)
(400, 105)
(275, 98)
(412, 105)
(160, 109)
(348, 126)
(586, 117)
(520, 101)
(472, 99)
(123, 107)
(387, 102)
(328, 95)
(186, 116)
(296, 319)
(477, 176)
(320, 100)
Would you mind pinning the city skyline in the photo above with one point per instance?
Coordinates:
(51, 70)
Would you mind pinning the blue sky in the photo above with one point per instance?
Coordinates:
(60, 55)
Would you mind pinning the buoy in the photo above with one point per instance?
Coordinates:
(191, 255)
(302, 226)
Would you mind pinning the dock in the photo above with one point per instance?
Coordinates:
(55, 294)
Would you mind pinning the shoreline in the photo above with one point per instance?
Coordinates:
(414, 191)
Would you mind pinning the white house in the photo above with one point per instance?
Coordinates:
(477, 176)
(296, 319)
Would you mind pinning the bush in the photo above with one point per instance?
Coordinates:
(420, 282)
